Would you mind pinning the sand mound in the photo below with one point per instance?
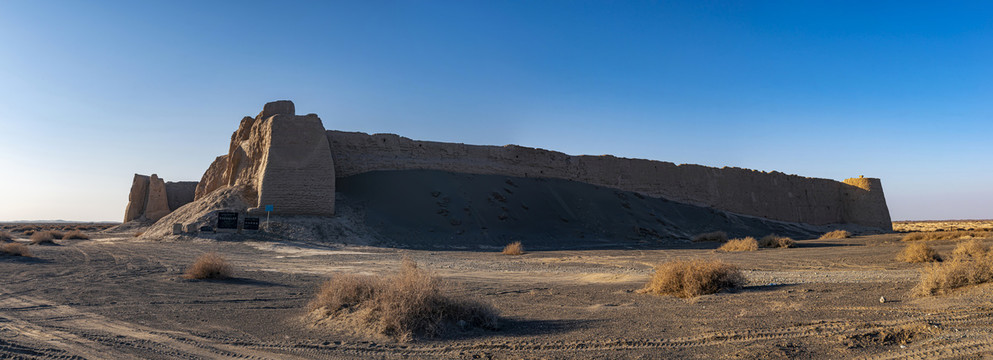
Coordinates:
(437, 209)
(200, 212)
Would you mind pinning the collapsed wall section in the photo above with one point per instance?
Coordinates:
(771, 195)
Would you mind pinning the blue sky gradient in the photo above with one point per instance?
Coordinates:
(92, 92)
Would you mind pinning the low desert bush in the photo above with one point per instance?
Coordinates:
(16, 249)
(57, 234)
(942, 278)
(918, 253)
(29, 232)
(6, 236)
(403, 306)
(776, 241)
(718, 236)
(974, 249)
(209, 266)
(692, 278)
(946, 235)
(75, 234)
(137, 234)
(836, 234)
(513, 248)
(42, 237)
(735, 245)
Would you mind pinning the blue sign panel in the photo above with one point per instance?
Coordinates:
(268, 208)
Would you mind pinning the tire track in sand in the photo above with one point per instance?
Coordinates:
(40, 329)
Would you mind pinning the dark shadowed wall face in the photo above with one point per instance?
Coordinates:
(770, 195)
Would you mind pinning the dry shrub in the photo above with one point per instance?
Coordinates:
(943, 278)
(735, 245)
(403, 306)
(776, 241)
(718, 236)
(209, 266)
(970, 249)
(16, 249)
(6, 236)
(836, 234)
(513, 248)
(137, 234)
(42, 237)
(57, 234)
(29, 232)
(693, 278)
(918, 253)
(946, 235)
(75, 234)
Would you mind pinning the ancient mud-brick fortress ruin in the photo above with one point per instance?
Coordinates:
(292, 161)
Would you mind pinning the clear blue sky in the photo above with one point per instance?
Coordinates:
(92, 92)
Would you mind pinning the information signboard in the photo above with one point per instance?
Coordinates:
(227, 220)
(251, 223)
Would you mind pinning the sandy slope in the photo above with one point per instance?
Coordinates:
(425, 209)
(119, 299)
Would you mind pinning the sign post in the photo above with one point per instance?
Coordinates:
(268, 209)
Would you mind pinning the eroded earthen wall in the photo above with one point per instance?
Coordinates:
(297, 173)
(213, 178)
(865, 203)
(179, 193)
(771, 195)
(136, 198)
(281, 159)
(151, 198)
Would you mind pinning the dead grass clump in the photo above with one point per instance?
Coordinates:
(513, 248)
(942, 278)
(16, 249)
(403, 306)
(735, 245)
(946, 235)
(692, 278)
(75, 234)
(29, 232)
(918, 253)
(836, 234)
(974, 249)
(209, 266)
(718, 236)
(137, 234)
(6, 236)
(57, 234)
(42, 237)
(776, 241)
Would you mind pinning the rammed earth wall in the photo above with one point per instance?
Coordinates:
(293, 161)
(772, 195)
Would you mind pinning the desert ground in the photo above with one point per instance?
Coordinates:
(115, 297)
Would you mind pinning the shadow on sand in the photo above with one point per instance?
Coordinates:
(517, 327)
(237, 281)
